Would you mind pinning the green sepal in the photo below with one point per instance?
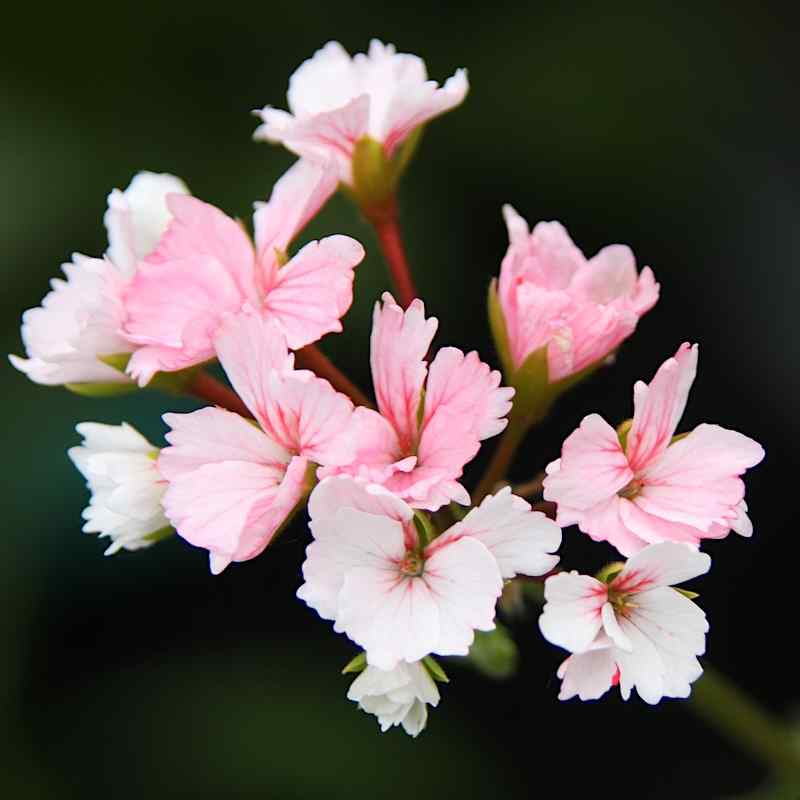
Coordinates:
(494, 653)
(610, 571)
(357, 664)
(435, 669)
(497, 324)
(161, 533)
(623, 429)
(403, 155)
(281, 256)
(687, 593)
(425, 529)
(109, 389)
(117, 361)
(458, 511)
(372, 180)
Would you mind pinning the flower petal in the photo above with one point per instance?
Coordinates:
(663, 564)
(572, 613)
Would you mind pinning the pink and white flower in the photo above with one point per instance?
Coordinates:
(400, 598)
(119, 465)
(232, 484)
(654, 487)
(398, 696)
(206, 267)
(79, 320)
(430, 421)
(551, 296)
(335, 100)
(635, 631)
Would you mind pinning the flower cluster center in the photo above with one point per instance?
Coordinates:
(631, 490)
(412, 565)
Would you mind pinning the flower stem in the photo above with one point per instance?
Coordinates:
(501, 458)
(531, 488)
(311, 357)
(386, 222)
(724, 706)
(207, 387)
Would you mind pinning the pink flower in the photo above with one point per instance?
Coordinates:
(401, 599)
(654, 488)
(206, 267)
(552, 297)
(233, 485)
(431, 422)
(636, 631)
(335, 100)
(79, 320)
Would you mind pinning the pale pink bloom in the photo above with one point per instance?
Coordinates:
(400, 600)
(206, 267)
(399, 696)
(431, 421)
(552, 296)
(232, 484)
(654, 488)
(79, 320)
(335, 100)
(636, 631)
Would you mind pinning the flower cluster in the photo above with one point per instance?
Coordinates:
(404, 559)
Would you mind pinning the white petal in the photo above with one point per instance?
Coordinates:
(572, 614)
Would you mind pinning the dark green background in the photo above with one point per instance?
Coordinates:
(671, 128)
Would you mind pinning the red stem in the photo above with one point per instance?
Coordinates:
(207, 387)
(387, 226)
(311, 357)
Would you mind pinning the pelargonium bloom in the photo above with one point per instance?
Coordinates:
(335, 100)
(654, 487)
(206, 267)
(232, 484)
(119, 465)
(635, 631)
(79, 320)
(398, 696)
(400, 598)
(551, 296)
(430, 421)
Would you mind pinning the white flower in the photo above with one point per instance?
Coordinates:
(336, 99)
(401, 599)
(119, 465)
(399, 696)
(635, 631)
(79, 320)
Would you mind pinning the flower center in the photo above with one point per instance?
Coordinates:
(412, 565)
(631, 490)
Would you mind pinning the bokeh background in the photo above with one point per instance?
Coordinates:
(672, 127)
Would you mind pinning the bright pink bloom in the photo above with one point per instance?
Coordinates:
(231, 485)
(206, 267)
(636, 631)
(367, 570)
(654, 489)
(427, 430)
(335, 100)
(552, 296)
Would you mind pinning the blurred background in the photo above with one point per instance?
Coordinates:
(669, 127)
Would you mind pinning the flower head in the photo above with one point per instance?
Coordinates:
(400, 597)
(80, 319)
(654, 487)
(552, 297)
(205, 267)
(335, 100)
(399, 696)
(231, 484)
(119, 465)
(635, 631)
(430, 421)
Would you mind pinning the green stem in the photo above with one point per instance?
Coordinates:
(501, 458)
(724, 706)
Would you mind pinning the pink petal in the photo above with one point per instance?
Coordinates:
(659, 407)
(696, 480)
(609, 522)
(592, 468)
(344, 540)
(311, 294)
(377, 451)
(343, 491)
(657, 565)
(521, 540)
(399, 343)
(572, 613)
(464, 581)
(651, 529)
(250, 347)
(588, 675)
(213, 435)
(609, 275)
(199, 229)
